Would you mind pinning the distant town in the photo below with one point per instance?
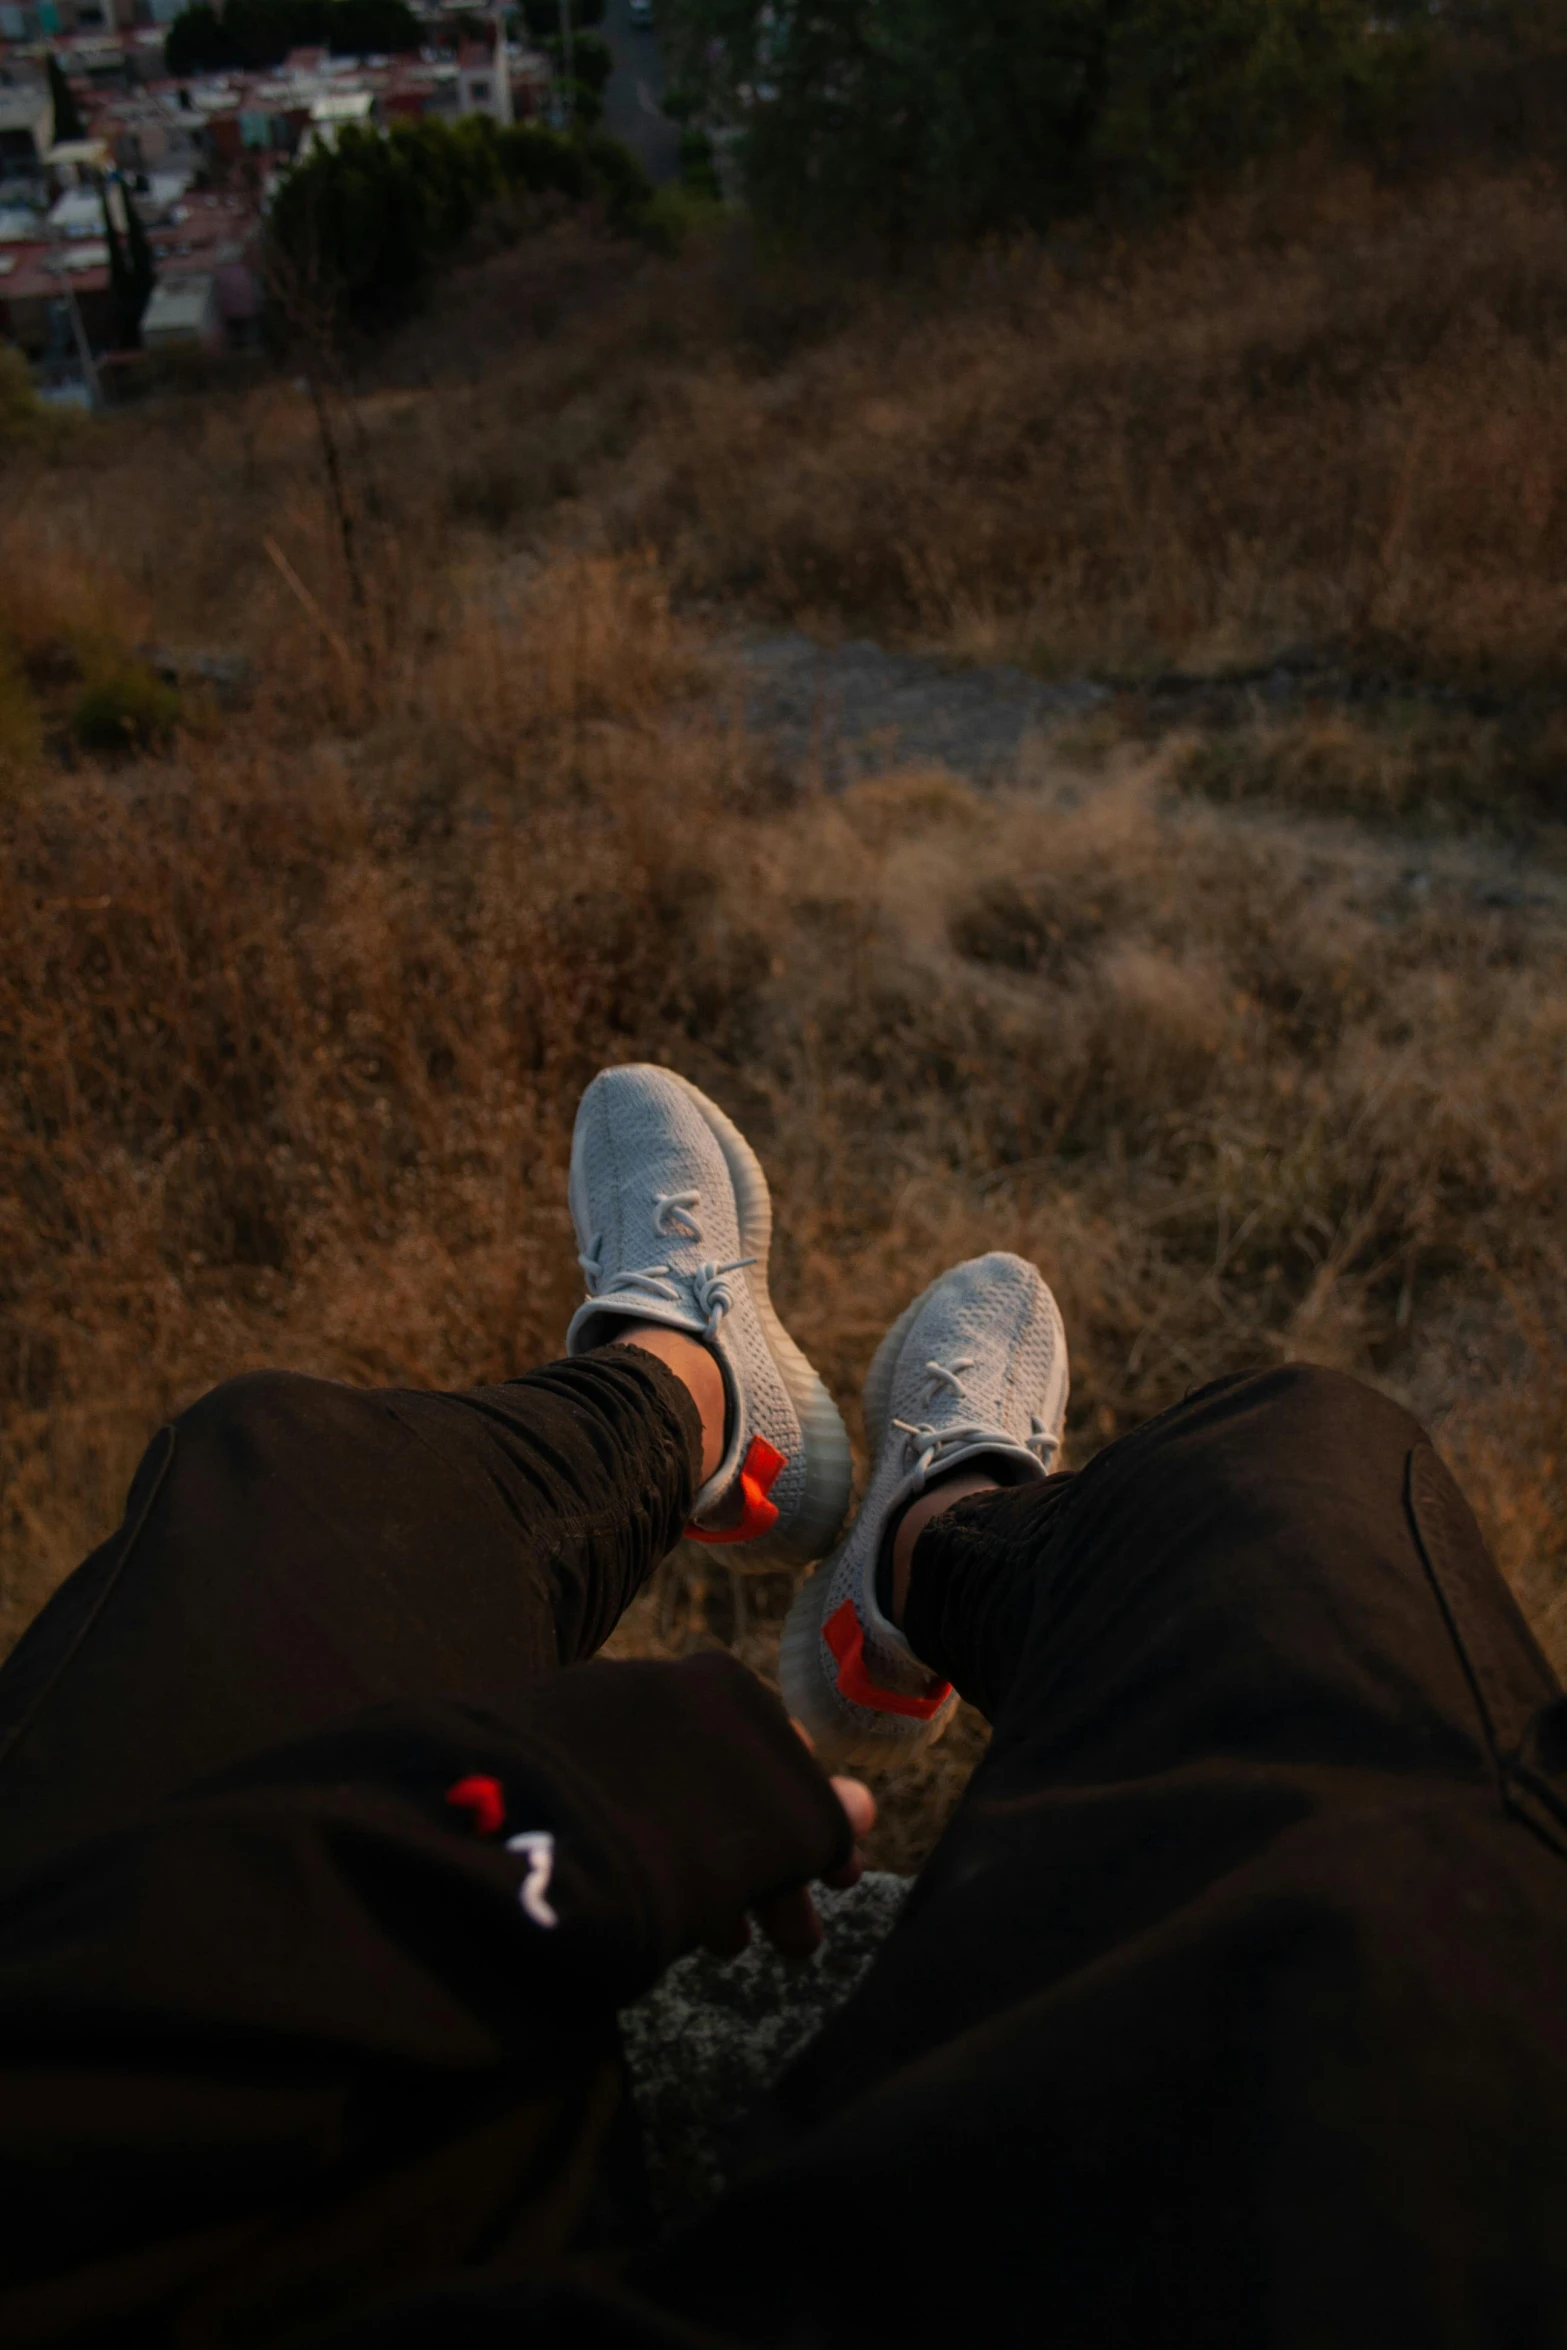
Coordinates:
(127, 189)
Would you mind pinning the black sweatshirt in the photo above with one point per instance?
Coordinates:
(340, 2023)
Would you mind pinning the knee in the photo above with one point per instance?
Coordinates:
(1300, 1415)
(1313, 1394)
(244, 1431)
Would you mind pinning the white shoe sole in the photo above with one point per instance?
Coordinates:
(829, 1463)
(838, 1738)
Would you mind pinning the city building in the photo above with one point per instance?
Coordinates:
(199, 157)
(184, 315)
(483, 82)
(26, 123)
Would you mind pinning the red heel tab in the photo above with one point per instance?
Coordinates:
(483, 1801)
(758, 1474)
(845, 1636)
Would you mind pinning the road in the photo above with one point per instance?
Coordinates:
(631, 100)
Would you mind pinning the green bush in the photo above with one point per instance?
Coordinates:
(673, 214)
(128, 708)
(543, 163)
(619, 181)
(21, 727)
(913, 120)
(591, 59)
(358, 227)
(18, 400)
(698, 170)
(30, 426)
(592, 65)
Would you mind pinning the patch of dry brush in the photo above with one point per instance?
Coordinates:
(1327, 411)
(293, 1019)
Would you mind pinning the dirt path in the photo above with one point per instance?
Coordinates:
(855, 709)
(832, 714)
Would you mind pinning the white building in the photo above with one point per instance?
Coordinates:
(331, 112)
(183, 315)
(484, 77)
(26, 125)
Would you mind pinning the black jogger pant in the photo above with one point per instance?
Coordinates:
(1232, 2007)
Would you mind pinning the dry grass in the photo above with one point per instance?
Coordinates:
(293, 1019)
(1274, 425)
(1428, 770)
(1327, 410)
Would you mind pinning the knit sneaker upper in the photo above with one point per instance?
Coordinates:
(673, 1223)
(975, 1372)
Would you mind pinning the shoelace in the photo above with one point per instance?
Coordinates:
(674, 1215)
(929, 1448)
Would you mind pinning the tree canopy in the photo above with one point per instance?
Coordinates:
(356, 228)
(258, 33)
(542, 17)
(931, 118)
(67, 116)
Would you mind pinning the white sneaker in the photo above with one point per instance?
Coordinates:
(975, 1370)
(673, 1222)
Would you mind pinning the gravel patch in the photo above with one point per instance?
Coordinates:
(714, 2035)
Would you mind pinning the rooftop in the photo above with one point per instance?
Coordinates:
(178, 306)
(39, 271)
(343, 106)
(78, 213)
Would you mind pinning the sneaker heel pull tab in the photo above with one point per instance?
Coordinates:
(845, 1636)
(758, 1473)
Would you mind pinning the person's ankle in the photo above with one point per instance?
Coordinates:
(698, 1369)
(904, 1533)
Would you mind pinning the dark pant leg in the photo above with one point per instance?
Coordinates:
(1231, 2008)
(294, 1550)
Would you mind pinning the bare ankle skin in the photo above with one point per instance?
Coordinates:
(932, 1503)
(696, 1367)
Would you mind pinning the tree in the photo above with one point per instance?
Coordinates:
(127, 312)
(366, 28)
(593, 64)
(699, 167)
(143, 269)
(593, 61)
(543, 17)
(132, 274)
(67, 118)
(260, 33)
(198, 41)
(355, 229)
(911, 120)
(264, 31)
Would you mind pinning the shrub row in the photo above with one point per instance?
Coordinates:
(250, 34)
(907, 121)
(356, 228)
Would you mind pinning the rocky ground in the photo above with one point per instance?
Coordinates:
(715, 2034)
